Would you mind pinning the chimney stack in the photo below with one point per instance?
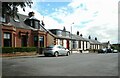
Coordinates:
(77, 32)
(89, 37)
(81, 35)
(96, 38)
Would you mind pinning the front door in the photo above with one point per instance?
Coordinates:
(67, 44)
(24, 41)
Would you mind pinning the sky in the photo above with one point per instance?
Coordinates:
(97, 18)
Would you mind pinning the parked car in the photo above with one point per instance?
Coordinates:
(109, 50)
(115, 51)
(56, 50)
(101, 51)
(105, 50)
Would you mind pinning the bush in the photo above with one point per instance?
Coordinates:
(7, 50)
(18, 49)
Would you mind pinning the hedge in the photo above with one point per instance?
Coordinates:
(18, 49)
(7, 50)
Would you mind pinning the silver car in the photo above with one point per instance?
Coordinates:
(56, 50)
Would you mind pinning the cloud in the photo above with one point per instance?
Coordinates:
(50, 23)
(97, 18)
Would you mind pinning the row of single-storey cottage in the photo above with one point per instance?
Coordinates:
(27, 31)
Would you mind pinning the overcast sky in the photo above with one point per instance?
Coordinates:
(97, 18)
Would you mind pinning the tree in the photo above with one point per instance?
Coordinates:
(10, 9)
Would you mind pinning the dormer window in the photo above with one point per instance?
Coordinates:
(67, 34)
(36, 24)
(32, 21)
(16, 20)
(59, 33)
(2, 19)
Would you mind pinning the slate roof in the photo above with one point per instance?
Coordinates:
(77, 37)
(93, 41)
(71, 37)
(60, 37)
(21, 24)
(105, 44)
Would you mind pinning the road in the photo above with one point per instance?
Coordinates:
(73, 65)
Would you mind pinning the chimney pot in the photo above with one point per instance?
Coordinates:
(77, 32)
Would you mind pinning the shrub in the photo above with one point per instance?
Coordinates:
(25, 49)
(18, 49)
(7, 50)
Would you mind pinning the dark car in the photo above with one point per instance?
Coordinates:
(109, 50)
(104, 50)
(101, 51)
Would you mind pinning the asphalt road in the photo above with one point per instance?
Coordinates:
(73, 65)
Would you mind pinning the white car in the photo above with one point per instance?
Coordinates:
(56, 50)
(115, 51)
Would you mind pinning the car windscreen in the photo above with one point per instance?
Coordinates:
(51, 46)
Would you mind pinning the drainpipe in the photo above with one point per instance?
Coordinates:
(71, 37)
(46, 39)
(0, 39)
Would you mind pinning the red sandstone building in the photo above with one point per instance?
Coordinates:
(26, 31)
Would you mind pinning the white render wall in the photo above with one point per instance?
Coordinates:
(77, 42)
(58, 41)
(65, 43)
(98, 46)
(81, 45)
(88, 45)
(70, 44)
(84, 45)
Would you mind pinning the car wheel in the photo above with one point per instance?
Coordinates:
(56, 54)
(68, 53)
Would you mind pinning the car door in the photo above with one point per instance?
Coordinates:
(63, 50)
(60, 50)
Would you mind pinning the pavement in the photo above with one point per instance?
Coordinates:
(25, 54)
(18, 54)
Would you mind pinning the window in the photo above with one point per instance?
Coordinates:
(54, 32)
(6, 35)
(67, 34)
(2, 19)
(16, 19)
(35, 41)
(41, 39)
(7, 39)
(31, 23)
(74, 44)
(59, 33)
(36, 24)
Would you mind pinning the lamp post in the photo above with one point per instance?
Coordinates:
(71, 37)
